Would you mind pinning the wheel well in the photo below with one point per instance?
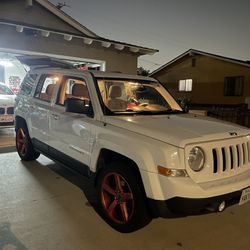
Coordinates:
(19, 121)
(107, 156)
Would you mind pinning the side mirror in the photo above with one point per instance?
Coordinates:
(78, 106)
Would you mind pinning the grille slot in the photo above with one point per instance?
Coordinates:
(238, 156)
(224, 162)
(230, 158)
(244, 150)
(2, 111)
(10, 110)
(215, 160)
(248, 150)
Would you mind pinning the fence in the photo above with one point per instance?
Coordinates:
(233, 113)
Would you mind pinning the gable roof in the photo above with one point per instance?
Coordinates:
(68, 19)
(89, 34)
(192, 52)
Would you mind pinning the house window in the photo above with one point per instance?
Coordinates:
(234, 86)
(185, 85)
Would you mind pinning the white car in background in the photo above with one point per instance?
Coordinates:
(7, 100)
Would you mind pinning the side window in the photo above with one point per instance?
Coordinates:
(45, 87)
(28, 84)
(72, 88)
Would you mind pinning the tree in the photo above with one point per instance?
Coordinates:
(142, 72)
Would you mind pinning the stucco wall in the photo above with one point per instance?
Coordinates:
(123, 61)
(15, 11)
(208, 79)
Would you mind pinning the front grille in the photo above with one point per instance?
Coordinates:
(230, 158)
(2, 111)
(223, 159)
(10, 110)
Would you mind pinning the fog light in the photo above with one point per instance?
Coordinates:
(222, 206)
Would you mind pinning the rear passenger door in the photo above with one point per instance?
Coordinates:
(70, 137)
(40, 107)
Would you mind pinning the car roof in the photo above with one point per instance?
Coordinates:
(97, 74)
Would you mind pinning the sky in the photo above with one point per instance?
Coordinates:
(171, 26)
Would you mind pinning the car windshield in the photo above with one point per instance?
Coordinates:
(4, 90)
(136, 97)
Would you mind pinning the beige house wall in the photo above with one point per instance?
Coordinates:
(15, 11)
(208, 79)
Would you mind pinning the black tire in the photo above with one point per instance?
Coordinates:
(121, 198)
(24, 145)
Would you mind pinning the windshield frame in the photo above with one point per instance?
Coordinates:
(108, 112)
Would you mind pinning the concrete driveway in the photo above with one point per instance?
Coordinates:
(7, 139)
(44, 206)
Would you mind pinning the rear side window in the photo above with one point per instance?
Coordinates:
(45, 87)
(28, 84)
(72, 87)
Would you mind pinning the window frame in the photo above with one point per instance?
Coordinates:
(63, 81)
(22, 92)
(227, 91)
(186, 85)
(42, 80)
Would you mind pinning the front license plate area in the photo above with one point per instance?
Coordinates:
(245, 196)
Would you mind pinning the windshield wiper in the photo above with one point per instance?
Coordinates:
(146, 112)
(159, 112)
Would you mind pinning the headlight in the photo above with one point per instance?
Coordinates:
(196, 159)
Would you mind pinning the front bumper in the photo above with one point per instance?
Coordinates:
(179, 206)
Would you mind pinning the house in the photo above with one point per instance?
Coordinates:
(206, 79)
(37, 27)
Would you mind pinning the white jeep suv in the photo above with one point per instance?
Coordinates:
(149, 158)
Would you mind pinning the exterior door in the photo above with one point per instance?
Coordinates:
(70, 136)
(40, 108)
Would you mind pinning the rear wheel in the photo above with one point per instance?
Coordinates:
(24, 145)
(121, 198)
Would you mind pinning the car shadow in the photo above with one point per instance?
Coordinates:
(87, 185)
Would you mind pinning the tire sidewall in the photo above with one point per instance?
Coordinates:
(140, 216)
(30, 153)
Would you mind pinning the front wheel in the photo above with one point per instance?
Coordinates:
(24, 145)
(121, 198)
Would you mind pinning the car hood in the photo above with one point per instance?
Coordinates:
(7, 100)
(180, 129)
